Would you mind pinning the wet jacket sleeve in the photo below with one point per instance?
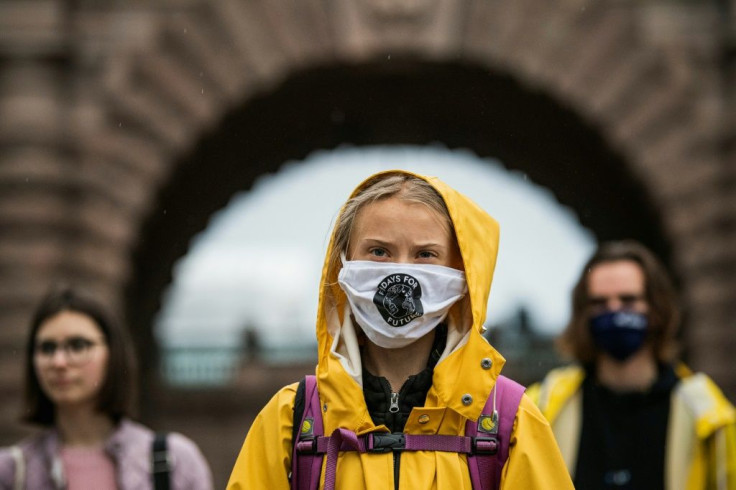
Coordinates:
(535, 461)
(722, 464)
(265, 458)
(533, 392)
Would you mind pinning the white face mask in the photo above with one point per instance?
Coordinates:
(396, 304)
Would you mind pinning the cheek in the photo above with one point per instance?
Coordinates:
(97, 371)
(40, 374)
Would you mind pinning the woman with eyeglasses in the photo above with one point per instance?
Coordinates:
(80, 384)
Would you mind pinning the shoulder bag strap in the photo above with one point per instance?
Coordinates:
(495, 424)
(306, 466)
(160, 462)
(299, 402)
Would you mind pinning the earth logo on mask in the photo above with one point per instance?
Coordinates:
(398, 299)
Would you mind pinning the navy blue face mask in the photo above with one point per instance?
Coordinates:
(619, 333)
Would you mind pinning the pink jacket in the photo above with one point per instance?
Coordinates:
(130, 449)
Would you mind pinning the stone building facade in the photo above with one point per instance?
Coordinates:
(125, 125)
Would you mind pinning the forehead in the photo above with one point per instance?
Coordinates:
(397, 211)
(618, 277)
(67, 324)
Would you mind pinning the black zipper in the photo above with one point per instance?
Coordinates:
(394, 407)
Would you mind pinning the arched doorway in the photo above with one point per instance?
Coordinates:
(459, 106)
(123, 92)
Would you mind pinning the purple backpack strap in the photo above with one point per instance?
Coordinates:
(493, 432)
(486, 442)
(340, 440)
(306, 466)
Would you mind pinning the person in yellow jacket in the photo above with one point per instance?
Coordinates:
(628, 415)
(417, 365)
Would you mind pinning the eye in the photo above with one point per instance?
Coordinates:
(597, 302)
(46, 348)
(78, 344)
(629, 299)
(426, 254)
(378, 252)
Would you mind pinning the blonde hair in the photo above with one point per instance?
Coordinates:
(383, 186)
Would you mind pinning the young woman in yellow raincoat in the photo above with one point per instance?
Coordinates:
(428, 372)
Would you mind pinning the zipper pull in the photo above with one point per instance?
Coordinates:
(394, 403)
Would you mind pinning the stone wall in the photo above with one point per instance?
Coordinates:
(109, 111)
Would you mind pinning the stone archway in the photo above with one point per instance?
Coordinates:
(405, 103)
(98, 172)
(612, 67)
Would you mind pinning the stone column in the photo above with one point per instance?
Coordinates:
(36, 195)
(694, 36)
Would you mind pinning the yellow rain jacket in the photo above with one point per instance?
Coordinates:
(534, 459)
(701, 433)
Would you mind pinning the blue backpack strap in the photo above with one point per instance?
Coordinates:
(492, 433)
(306, 462)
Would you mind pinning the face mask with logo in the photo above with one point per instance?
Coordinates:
(397, 304)
(619, 333)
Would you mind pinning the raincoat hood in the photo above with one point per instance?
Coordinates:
(463, 369)
(462, 381)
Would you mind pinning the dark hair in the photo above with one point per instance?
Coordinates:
(118, 391)
(664, 314)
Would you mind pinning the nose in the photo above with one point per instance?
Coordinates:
(614, 304)
(58, 358)
(404, 257)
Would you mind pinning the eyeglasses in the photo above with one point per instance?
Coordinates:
(626, 300)
(77, 350)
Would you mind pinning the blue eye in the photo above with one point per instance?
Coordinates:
(427, 255)
(378, 252)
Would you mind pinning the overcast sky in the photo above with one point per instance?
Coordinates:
(258, 263)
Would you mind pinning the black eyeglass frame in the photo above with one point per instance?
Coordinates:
(76, 349)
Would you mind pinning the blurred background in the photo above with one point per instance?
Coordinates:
(185, 159)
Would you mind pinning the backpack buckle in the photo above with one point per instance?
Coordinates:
(383, 442)
(307, 445)
(161, 463)
(485, 445)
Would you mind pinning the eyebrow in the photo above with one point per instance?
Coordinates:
(379, 241)
(40, 339)
(620, 297)
(376, 241)
(429, 244)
